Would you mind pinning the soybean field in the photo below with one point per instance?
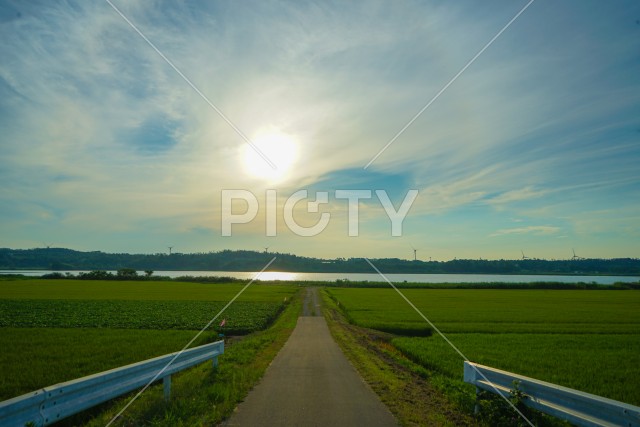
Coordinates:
(57, 330)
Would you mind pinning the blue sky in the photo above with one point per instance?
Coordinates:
(535, 147)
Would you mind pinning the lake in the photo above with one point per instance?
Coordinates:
(373, 277)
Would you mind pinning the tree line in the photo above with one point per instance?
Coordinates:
(242, 260)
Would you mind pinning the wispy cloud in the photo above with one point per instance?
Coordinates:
(507, 197)
(105, 147)
(532, 229)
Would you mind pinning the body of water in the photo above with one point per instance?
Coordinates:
(373, 277)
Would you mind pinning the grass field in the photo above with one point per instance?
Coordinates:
(589, 340)
(35, 358)
(57, 330)
(493, 311)
(135, 290)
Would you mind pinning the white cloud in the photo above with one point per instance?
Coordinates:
(341, 80)
(532, 229)
(525, 193)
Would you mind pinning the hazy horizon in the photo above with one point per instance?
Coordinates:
(276, 252)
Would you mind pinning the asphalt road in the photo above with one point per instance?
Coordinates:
(311, 383)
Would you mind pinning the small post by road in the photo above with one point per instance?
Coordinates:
(166, 383)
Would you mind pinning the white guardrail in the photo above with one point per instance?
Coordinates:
(51, 404)
(577, 407)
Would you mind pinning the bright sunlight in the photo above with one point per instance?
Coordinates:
(279, 149)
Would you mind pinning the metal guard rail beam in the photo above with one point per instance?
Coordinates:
(577, 407)
(51, 404)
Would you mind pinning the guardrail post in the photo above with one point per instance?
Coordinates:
(470, 376)
(166, 382)
(215, 362)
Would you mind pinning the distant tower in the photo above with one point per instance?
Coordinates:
(266, 250)
(170, 247)
(574, 257)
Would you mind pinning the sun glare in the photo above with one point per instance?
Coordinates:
(279, 149)
(277, 275)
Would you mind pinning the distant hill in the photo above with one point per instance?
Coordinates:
(67, 259)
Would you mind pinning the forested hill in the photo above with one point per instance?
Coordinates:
(67, 259)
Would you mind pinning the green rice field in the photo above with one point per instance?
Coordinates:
(37, 357)
(583, 339)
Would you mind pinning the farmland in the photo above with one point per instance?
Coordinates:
(243, 316)
(37, 357)
(57, 330)
(589, 340)
(136, 305)
(134, 290)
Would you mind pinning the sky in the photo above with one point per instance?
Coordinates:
(107, 144)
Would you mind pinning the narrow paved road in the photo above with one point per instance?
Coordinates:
(311, 383)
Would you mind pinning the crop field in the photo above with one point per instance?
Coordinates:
(242, 317)
(57, 330)
(136, 305)
(35, 357)
(136, 290)
(588, 340)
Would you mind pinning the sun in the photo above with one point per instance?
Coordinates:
(280, 149)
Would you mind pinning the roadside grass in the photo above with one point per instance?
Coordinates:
(399, 383)
(204, 395)
(40, 357)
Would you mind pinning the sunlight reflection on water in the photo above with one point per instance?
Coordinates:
(287, 276)
(278, 275)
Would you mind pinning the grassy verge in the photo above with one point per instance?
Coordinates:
(401, 384)
(203, 395)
